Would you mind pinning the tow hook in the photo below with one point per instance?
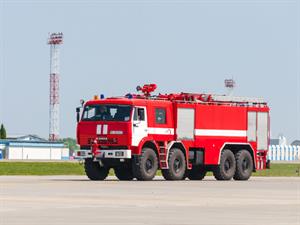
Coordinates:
(94, 148)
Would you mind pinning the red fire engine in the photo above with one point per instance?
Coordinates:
(183, 135)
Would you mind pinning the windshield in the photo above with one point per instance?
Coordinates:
(106, 113)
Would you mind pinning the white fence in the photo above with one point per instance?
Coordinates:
(284, 152)
(34, 153)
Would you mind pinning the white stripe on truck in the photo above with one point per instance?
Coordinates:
(223, 133)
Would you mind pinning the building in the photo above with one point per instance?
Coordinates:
(274, 141)
(296, 142)
(32, 147)
(281, 140)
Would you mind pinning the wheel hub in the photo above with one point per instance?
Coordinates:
(149, 165)
(227, 165)
(177, 165)
(245, 165)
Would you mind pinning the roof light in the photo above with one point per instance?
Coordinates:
(129, 96)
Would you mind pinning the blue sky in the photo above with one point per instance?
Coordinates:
(112, 46)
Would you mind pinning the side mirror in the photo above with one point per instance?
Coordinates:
(78, 114)
(81, 102)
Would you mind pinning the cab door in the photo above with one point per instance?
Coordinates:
(139, 125)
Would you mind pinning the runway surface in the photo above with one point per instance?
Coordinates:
(36, 200)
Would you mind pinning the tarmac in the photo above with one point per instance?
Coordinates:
(48, 200)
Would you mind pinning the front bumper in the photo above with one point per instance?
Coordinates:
(104, 154)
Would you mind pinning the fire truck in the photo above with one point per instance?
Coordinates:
(185, 135)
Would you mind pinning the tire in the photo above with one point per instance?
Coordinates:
(177, 165)
(124, 173)
(244, 165)
(94, 171)
(226, 169)
(185, 175)
(197, 173)
(146, 165)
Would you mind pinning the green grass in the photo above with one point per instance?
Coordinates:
(280, 170)
(74, 168)
(40, 168)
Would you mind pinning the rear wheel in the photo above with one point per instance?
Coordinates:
(94, 171)
(226, 169)
(123, 173)
(177, 165)
(146, 165)
(197, 173)
(244, 165)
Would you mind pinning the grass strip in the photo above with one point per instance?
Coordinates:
(74, 168)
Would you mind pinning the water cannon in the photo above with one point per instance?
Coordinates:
(147, 89)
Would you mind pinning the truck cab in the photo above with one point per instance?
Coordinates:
(113, 132)
(106, 123)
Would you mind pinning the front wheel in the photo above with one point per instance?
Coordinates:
(94, 171)
(146, 165)
(177, 165)
(124, 173)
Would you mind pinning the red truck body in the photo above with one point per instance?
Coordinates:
(201, 126)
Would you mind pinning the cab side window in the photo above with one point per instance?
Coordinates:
(139, 114)
(160, 116)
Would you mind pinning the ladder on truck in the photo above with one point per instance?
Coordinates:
(221, 99)
(237, 99)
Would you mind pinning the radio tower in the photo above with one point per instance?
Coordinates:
(55, 39)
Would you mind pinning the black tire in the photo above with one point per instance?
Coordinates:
(124, 173)
(177, 165)
(94, 171)
(146, 165)
(226, 169)
(197, 173)
(244, 165)
(185, 175)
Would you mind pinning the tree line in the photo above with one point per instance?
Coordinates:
(2, 132)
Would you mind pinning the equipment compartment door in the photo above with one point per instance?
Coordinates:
(185, 123)
(251, 129)
(262, 130)
(139, 125)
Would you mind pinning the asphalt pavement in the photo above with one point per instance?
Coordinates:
(48, 200)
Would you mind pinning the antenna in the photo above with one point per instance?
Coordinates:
(229, 85)
(55, 39)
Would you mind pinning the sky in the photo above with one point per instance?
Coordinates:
(110, 47)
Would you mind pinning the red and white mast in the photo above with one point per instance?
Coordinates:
(55, 39)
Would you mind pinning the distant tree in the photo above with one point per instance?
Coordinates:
(2, 132)
(70, 143)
